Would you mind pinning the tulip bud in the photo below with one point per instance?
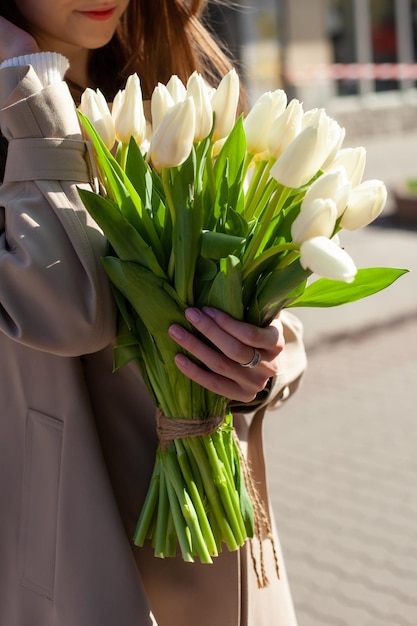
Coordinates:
(324, 257)
(353, 160)
(336, 133)
(196, 89)
(161, 102)
(332, 184)
(309, 117)
(285, 128)
(224, 102)
(172, 141)
(305, 155)
(260, 118)
(128, 114)
(316, 218)
(336, 137)
(366, 202)
(94, 106)
(176, 89)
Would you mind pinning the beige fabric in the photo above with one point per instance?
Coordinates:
(77, 442)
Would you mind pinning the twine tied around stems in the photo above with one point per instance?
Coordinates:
(170, 428)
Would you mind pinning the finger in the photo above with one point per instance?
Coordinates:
(229, 345)
(268, 341)
(249, 334)
(216, 383)
(253, 380)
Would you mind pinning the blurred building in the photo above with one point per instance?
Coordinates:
(334, 53)
(349, 47)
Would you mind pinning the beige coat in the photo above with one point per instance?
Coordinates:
(76, 441)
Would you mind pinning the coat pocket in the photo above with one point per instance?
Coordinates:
(39, 515)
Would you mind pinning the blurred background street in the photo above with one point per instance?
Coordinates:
(342, 454)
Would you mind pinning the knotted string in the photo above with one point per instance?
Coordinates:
(168, 429)
(262, 523)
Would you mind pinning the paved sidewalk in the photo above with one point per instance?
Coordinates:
(342, 455)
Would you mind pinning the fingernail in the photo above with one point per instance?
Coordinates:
(193, 315)
(176, 331)
(209, 311)
(181, 359)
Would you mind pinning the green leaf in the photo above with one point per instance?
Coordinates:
(151, 296)
(228, 172)
(119, 186)
(187, 228)
(124, 239)
(327, 293)
(218, 245)
(226, 290)
(139, 173)
(276, 291)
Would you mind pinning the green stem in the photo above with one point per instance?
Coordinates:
(227, 491)
(275, 206)
(264, 256)
(166, 182)
(174, 477)
(162, 519)
(122, 155)
(210, 478)
(171, 538)
(254, 181)
(183, 532)
(149, 507)
(289, 259)
(265, 183)
(195, 495)
(210, 172)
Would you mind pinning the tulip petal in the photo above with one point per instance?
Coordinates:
(316, 217)
(173, 139)
(325, 258)
(366, 202)
(224, 102)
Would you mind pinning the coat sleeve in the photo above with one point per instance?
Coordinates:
(54, 295)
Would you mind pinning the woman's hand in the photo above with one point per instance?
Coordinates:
(14, 41)
(235, 345)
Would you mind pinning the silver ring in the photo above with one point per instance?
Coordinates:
(254, 361)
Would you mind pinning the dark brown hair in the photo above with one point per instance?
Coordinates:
(155, 38)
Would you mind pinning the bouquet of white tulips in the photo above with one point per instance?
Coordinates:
(204, 207)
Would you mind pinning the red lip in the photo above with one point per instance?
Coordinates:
(101, 15)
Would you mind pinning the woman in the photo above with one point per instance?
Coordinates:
(77, 442)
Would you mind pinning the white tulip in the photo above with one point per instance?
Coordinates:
(128, 114)
(332, 184)
(260, 118)
(224, 102)
(161, 102)
(366, 202)
(316, 218)
(309, 116)
(305, 155)
(94, 106)
(285, 128)
(324, 257)
(173, 139)
(176, 88)
(197, 90)
(336, 137)
(353, 160)
(336, 133)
